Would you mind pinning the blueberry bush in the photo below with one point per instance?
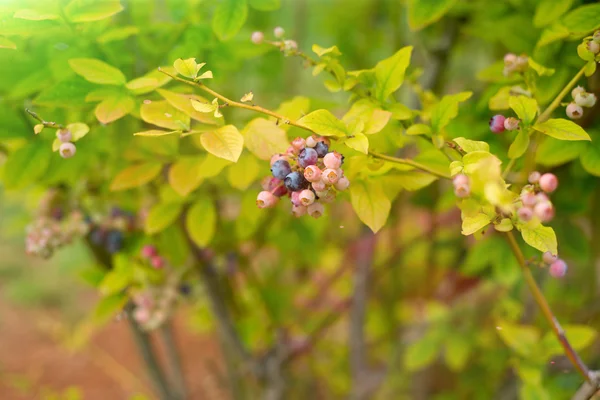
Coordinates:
(438, 161)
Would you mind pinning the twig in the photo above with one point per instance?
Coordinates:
(173, 359)
(410, 162)
(46, 124)
(587, 390)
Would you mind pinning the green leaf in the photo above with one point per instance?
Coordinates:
(583, 19)
(374, 118)
(68, 93)
(321, 51)
(115, 281)
(149, 82)
(263, 138)
(389, 73)
(590, 68)
(470, 225)
(521, 338)
(97, 71)
(265, 5)
(135, 175)
(425, 12)
(540, 69)
(26, 165)
(590, 158)
(184, 175)
(225, 142)
(156, 132)
(163, 114)
(92, 10)
(78, 130)
(579, 336)
(458, 349)
(524, 107)
(358, 142)
(562, 129)
(229, 18)
(469, 146)
(540, 237)
(553, 33)
(548, 11)
(118, 34)
(418, 129)
(161, 216)
(244, 172)
(519, 146)
(324, 123)
(184, 103)
(414, 180)
(201, 221)
(114, 107)
(422, 352)
(370, 203)
(34, 15)
(553, 152)
(108, 306)
(446, 110)
(188, 67)
(7, 44)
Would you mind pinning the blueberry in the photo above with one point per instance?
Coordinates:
(97, 236)
(321, 149)
(280, 169)
(114, 241)
(185, 289)
(295, 181)
(308, 156)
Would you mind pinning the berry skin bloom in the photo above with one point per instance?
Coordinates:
(549, 258)
(311, 141)
(279, 32)
(558, 268)
(574, 111)
(266, 200)
(511, 124)
(332, 160)
(585, 99)
(67, 150)
(544, 211)
(149, 251)
(319, 186)
(295, 181)
(534, 177)
(322, 149)
(548, 183)
(157, 262)
(64, 135)
(576, 91)
(277, 157)
(330, 176)
(257, 37)
(315, 210)
(306, 197)
(280, 169)
(298, 143)
(298, 211)
(312, 173)
(342, 184)
(497, 123)
(295, 197)
(307, 156)
(525, 213)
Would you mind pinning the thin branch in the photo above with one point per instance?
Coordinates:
(46, 124)
(586, 391)
(571, 354)
(173, 359)
(410, 162)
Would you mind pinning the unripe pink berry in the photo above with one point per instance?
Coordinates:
(266, 200)
(295, 197)
(157, 262)
(462, 191)
(311, 141)
(299, 143)
(307, 197)
(541, 197)
(278, 32)
(277, 157)
(257, 37)
(291, 151)
(64, 135)
(332, 160)
(330, 176)
(549, 258)
(558, 268)
(510, 58)
(525, 213)
(596, 37)
(319, 186)
(576, 91)
(67, 150)
(548, 182)
(141, 315)
(497, 123)
(460, 179)
(298, 211)
(312, 173)
(528, 199)
(511, 124)
(574, 111)
(534, 177)
(342, 184)
(544, 211)
(593, 46)
(586, 99)
(316, 209)
(149, 251)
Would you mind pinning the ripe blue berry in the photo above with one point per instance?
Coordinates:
(280, 169)
(322, 149)
(114, 241)
(295, 181)
(497, 123)
(308, 156)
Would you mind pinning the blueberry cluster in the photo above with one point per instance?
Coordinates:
(581, 99)
(309, 173)
(534, 197)
(109, 232)
(514, 63)
(558, 267)
(67, 148)
(499, 123)
(150, 254)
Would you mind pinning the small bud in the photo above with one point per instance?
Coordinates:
(510, 59)
(332, 160)
(511, 123)
(279, 32)
(574, 111)
(312, 173)
(266, 200)
(548, 183)
(522, 62)
(295, 197)
(558, 268)
(593, 46)
(298, 211)
(141, 315)
(316, 209)
(149, 251)
(306, 197)
(67, 150)
(576, 91)
(534, 177)
(257, 37)
(544, 211)
(549, 258)
(525, 213)
(342, 184)
(157, 262)
(291, 151)
(585, 99)
(290, 45)
(64, 135)
(497, 123)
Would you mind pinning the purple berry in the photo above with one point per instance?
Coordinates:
(280, 169)
(322, 149)
(497, 123)
(149, 251)
(295, 181)
(308, 156)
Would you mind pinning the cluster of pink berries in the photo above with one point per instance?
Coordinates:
(514, 63)
(286, 46)
(581, 98)
(67, 148)
(534, 197)
(462, 188)
(47, 234)
(558, 267)
(309, 173)
(154, 305)
(499, 123)
(150, 254)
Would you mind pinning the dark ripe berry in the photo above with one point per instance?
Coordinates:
(295, 181)
(116, 212)
(185, 289)
(497, 123)
(114, 241)
(97, 236)
(269, 183)
(308, 156)
(280, 190)
(280, 169)
(322, 149)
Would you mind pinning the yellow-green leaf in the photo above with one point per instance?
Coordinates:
(119, 33)
(263, 138)
(422, 352)
(374, 118)
(470, 225)
(524, 107)
(34, 15)
(540, 237)
(418, 129)
(414, 180)
(163, 114)
(161, 216)
(7, 44)
(114, 107)
(539, 68)
(201, 221)
(149, 82)
(265, 5)
(184, 103)
(229, 17)
(446, 110)
(582, 20)
(358, 142)
(590, 158)
(188, 67)
(548, 11)
(370, 203)
(562, 129)
(320, 51)
(389, 73)
(244, 172)
(424, 12)
(184, 175)
(156, 132)
(324, 123)
(78, 130)
(135, 175)
(97, 71)
(458, 349)
(519, 145)
(521, 338)
(91, 10)
(225, 142)
(469, 146)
